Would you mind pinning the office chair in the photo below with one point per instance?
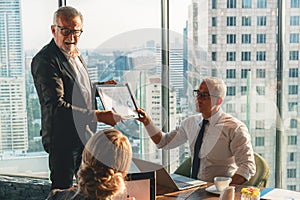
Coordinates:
(260, 178)
(185, 168)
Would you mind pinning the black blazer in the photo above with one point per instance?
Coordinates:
(63, 108)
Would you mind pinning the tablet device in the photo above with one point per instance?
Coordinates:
(118, 98)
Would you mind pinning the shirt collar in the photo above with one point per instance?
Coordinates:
(68, 55)
(215, 118)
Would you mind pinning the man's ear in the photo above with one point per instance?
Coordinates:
(219, 101)
(53, 29)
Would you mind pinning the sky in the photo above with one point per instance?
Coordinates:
(103, 19)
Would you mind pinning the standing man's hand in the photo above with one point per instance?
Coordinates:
(107, 117)
(110, 82)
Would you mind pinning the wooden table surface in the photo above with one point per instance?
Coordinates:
(197, 193)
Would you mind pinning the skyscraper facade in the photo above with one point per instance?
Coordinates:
(13, 114)
(237, 41)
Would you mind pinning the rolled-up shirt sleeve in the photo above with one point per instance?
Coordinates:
(242, 150)
(172, 139)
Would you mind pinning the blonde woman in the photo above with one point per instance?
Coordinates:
(105, 162)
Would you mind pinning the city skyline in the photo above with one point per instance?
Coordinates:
(36, 25)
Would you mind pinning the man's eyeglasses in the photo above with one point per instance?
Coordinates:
(66, 31)
(202, 95)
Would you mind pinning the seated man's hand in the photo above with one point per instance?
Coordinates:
(145, 119)
(238, 179)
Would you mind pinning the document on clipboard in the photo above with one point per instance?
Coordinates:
(118, 98)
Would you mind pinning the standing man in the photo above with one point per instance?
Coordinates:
(66, 97)
(225, 147)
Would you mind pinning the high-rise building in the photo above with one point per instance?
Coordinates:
(237, 41)
(13, 117)
(152, 104)
(11, 51)
(13, 114)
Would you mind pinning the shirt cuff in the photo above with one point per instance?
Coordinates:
(152, 129)
(244, 173)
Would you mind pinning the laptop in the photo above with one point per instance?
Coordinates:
(140, 185)
(166, 182)
(118, 98)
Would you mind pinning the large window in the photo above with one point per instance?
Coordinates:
(294, 37)
(261, 3)
(292, 106)
(231, 3)
(231, 21)
(292, 140)
(244, 73)
(292, 156)
(246, 21)
(230, 56)
(122, 40)
(291, 173)
(214, 21)
(259, 141)
(230, 91)
(246, 38)
(246, 3)
(214, 4)
(294, 55)
(260, 73)
(230, 73)
(295, 20)
(246, 56)
(214, 39)
(260, 55)
(293, 89)
(295, 3)
(261, 20)
(261, 38)
(214, 56)
(231, 38)
(293, 73)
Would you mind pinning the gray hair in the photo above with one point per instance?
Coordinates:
(216, 86)
(68, 12)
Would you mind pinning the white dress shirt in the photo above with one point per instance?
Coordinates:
(82, 77)
(226, 147)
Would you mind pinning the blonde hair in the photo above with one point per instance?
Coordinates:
(105, 162)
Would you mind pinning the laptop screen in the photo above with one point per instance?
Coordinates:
(141, 185)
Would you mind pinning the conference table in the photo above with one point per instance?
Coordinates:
(197, 193)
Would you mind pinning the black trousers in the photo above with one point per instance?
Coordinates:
(64, 163)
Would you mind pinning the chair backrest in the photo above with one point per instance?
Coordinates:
(185, 168)
(260, 178)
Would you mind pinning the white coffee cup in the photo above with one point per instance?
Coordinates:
(222, 182)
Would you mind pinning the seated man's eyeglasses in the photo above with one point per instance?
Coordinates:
(202, 95)
(66, 31)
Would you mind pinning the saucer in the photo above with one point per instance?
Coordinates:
(212, 189)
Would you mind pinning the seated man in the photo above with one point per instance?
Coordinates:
(226, 149)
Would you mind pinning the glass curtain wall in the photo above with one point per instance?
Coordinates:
(230, 39)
